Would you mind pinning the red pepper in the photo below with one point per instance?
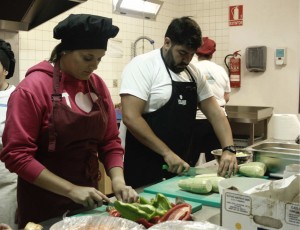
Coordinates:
(144, 222)
(109, 208)
(178, 212)
(154, 220)
(114, 212)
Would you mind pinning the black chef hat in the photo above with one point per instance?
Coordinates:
(85, 31)
(7, 58)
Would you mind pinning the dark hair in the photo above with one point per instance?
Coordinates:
(185, 31)
(7, 58)
(56, 53)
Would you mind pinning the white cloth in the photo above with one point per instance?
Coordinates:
(4, 95)
(218, 81)
(8, 180)
(146, 77)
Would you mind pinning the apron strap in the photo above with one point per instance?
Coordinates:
(56, 98)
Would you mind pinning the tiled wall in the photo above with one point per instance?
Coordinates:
(37, 44)
(212, 17)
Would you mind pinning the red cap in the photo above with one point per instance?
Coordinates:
(208, 47)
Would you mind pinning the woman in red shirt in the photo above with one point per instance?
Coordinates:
(60, 121)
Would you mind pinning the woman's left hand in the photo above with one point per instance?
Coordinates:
(122, 191)
(125, 193)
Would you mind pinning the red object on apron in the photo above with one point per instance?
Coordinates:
(73, 141)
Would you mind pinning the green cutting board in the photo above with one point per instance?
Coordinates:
(100, 211)
(170, 189)
(196, 206)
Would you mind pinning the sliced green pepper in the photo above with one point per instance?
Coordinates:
(161, 202)
(143, 200)
(135, 211)
(147, 208)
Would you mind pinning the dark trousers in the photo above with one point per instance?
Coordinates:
(204, 140)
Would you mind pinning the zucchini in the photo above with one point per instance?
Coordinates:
(214, 178)
(253, 169)
(196, 185)
(207, 175)
(215, 183)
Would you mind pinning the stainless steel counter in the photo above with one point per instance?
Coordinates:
(248, 114)
(253, 119)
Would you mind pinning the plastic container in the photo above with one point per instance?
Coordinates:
(96, 222)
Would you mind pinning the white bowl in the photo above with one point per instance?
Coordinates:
(241, 183)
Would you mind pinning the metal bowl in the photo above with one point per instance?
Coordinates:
(242, 156)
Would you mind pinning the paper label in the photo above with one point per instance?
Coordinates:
(292, 214)
(238, 203)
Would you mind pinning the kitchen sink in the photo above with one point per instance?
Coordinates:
(276, 155)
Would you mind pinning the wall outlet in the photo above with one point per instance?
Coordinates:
(115, 83)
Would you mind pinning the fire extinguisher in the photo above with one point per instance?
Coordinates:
(234, 69)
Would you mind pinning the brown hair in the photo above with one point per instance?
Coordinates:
(56, 53)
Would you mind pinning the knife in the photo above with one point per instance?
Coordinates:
(69, 213)
(193, 171)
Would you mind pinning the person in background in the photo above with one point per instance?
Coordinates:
(204, 139)
(8, 181)
(160, 92)
(60, 121)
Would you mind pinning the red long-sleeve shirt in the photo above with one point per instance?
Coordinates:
(29, 108)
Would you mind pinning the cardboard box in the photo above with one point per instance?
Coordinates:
(271, 206)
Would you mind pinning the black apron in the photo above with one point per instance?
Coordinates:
(172, 123)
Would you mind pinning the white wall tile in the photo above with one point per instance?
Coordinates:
(212, 16)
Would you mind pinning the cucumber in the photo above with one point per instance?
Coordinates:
(214, 178)
(207, 175)
(253, 169)
(196, 185)
(215, 183)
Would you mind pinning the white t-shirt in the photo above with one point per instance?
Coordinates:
(218, 81)
(146, 77)
(4, 95)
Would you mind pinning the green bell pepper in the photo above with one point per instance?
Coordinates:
(161, 203)
(135, 211)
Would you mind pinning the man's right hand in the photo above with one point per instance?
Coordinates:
(175, 163)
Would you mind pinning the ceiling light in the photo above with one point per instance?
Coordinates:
(138, 8)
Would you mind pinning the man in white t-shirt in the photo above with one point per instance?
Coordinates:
(204, 138)
(160, 92)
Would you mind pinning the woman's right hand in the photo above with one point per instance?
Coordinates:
(87, 196)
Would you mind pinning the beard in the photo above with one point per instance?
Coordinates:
(171, 64)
